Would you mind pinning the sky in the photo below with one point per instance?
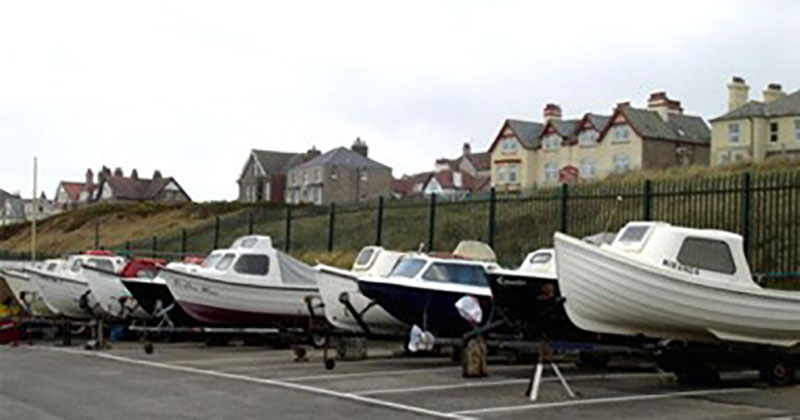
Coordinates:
(190, 87)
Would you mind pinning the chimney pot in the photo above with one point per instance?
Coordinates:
(552, 112)
(773, 92)
(774, 86)
(118, 172)
(738, 93)
(360, 146)
(135, 174)
(89, 176)
(466, 149)
(157, 174)
(737, 79)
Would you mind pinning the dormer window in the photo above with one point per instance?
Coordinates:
(509, 144)
(621, 133)
(551, 141)
(587, 138)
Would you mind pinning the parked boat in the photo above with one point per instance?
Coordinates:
(673, 282)
(113, 298)
(423, 289)
(25, 290)
(64, 286)
(249, 284)
(154, 297)
(342, 298)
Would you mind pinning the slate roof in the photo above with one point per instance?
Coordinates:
(275, 162)
(786, 106)
(480, 161)
(678, 127)
(598, 121)
(125, 188)
(528, 131)
(564, 127)
(344, 157)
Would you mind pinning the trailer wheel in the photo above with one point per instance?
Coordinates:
(148, 347)
(318, 341)
(778, 371)
(330, 364)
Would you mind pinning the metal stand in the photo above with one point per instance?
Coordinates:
(536, 377)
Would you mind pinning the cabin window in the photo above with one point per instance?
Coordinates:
(146, 273)
(253, 264)
(248, 242)
(101, 264)
(408, 267)
(51, 266)
(76, 266)
(634, 233)
(541, 258)
(472, 275)
(225, 262)
(364, 256)
(707, 254)
(211, 260)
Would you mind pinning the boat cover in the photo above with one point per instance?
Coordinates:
(475, 250)
(294, 271)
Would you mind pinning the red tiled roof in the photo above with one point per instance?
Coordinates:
(74, 189)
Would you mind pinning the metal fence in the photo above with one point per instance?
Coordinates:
(761, 207)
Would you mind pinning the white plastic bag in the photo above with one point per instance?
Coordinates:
(420, 340)
(470, 309)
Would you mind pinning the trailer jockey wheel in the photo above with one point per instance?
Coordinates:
(330, 364)
(148, 347)
(778, 371)
(474, 359)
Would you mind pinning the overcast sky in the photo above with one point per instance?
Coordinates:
(189, 87)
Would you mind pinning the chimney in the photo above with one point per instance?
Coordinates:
(118, 172)
(738, 93)
(773, 92)
(552, 112)
(311, 154)
(359, 146)
(134, 174)
(89, 177)
(104, 174)
(466, 150)
(660, 103)
(157, 174)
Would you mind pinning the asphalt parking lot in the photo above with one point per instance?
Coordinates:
(190, 380)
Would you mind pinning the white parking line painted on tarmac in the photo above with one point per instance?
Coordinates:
(264, 381)
(368, 374)
(508, 382)
(609, 400)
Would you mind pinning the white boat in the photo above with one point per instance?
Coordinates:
(113, 298)
(25, 291)
(249, 284)
(64, 286)
(339, 288)
(672, 282)
(153, 296)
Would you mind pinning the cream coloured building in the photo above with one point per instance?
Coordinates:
(756, 131)
(529, 154)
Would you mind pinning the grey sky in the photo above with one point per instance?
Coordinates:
(190, 87)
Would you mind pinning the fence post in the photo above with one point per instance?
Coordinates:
(183, 241)
(564, 196)
(431, 223)
(96, 233)
(331, 219)
(379, 228)
(746, 213)
(647, 212)
(216, 232)
(492, 216)
(288, 228)
(155, 245)
(250, 223)
(128, 246)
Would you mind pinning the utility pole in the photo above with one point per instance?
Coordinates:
(35, 209)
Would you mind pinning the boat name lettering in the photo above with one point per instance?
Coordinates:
(680, 267)
(195, 288)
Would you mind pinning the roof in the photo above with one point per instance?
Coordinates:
(480, 161)
(342, 156)
(468, 182)
(74, 189)
(564, 127)
(527, 131)
(789, 105)
(402, 186)
(274, 162)
(678, 127)
(598, 121)
(125, 188)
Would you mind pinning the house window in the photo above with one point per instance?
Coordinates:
(587, 138)
(724, 158)
(512, 174)
(621, 133)
(733, 132)
(318, 196)
(797, 129)
(305, 177)
(621, 163)
(773, 132)
(501, 174)
(550, 142)
(587, 168)
(318, 175)
(551, 172)
(363, 173)
(509, 145)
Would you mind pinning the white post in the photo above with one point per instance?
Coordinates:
(35, 209)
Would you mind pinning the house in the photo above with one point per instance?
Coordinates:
(475, 164)
(339, 175)
(756, 131)
(454, 184)
(118, 187)
(410, 186)
(263, 176)
(527, 154)
(70, 194)
(446, 178)
(15, 209)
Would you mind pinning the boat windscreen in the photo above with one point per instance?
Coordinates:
(634, 233)
(541, 258)
(408, 267)
(364, 256)
(225, 262)
(101, 264)
(472, 275)
(211, 260)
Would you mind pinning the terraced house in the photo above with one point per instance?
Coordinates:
(756, 131)
(527, 154)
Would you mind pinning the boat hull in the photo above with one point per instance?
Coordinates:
(26, 293)
(332, 284)
(431, 310)
(113, 298)
(608, 293)
(63, 295)
(221, 302)
(153, 296)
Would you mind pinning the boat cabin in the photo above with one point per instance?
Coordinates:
(429, 269)
(104, 260)
(714, 254)
(376, 261)
(540, 263)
